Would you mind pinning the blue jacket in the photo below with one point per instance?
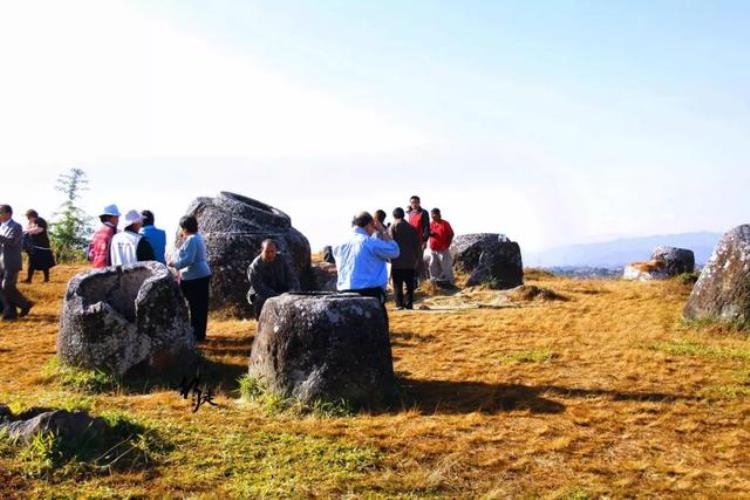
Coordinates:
(361, 261)
(158, 241)
(190, 259)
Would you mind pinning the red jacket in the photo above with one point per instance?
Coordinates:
(441, 235)
(99, 247)
(420, 220)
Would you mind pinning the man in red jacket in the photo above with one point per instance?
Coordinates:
(419, 219)
(441, 261)
(99, 248)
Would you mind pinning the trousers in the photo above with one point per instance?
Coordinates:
(11, 297)
(441, 266)
(196, 293)
(401, 277)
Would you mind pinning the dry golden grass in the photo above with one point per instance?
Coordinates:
(606, 393)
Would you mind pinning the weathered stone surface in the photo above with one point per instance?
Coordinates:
(117, 319)
(488, 257)
(64, 424)
(324, 347)
(722, 292)
(233, 228)
(675, 261)
(325, 275)
(665, 262)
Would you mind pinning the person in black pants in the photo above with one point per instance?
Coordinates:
(195, 274)
(404, 268)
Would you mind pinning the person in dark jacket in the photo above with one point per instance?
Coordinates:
(11, 243)
(403, 268)
(269, 276)
(419, 219)
(38, 246)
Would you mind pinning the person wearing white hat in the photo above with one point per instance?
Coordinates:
(129, 246)
(99, 248)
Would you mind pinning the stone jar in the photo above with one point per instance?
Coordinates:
(120, 318)
(488, 257)
(324, 346)
(233, 227)
(722, 292)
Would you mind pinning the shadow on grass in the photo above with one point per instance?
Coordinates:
(451, 397)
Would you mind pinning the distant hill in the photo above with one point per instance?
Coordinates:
(618, 253)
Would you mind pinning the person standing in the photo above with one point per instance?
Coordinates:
(361, 260)
(195, 275)
(99, 249)
(269, 276)
(39, 249)
(129, 246)
(420, 221)
(404, 267)
(157, 238)
(441, 261)
(11, 243)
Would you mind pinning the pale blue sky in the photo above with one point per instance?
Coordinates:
(553, 122)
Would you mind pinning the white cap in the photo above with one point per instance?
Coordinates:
(111, 210)
(133, 217)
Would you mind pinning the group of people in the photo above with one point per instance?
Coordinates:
(362, 259)
(141, 240)
(14, 240)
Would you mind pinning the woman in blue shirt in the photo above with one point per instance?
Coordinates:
(195, 275)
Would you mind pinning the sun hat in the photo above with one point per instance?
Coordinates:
(111, 210)
(133, 217)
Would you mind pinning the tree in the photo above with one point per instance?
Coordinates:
(72, 228)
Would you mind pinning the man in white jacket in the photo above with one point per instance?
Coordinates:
(128, 246)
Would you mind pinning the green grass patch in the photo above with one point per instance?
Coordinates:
(266, 464)
(727, 391)
(91, 381)
(690, 348)
(719, 327)
(125, 445)
(254, 391)
(528, 356)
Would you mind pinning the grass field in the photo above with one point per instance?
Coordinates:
(603, 391)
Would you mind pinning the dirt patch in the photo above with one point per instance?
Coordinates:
(529, 293)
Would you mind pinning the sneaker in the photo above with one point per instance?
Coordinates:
(399, 308)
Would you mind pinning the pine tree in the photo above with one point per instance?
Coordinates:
(71, 230)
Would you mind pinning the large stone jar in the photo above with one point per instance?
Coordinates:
(118, 319)
(722, 292)
(488, 258)
(321, 346)
(233, 227)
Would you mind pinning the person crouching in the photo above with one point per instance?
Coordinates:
(269, 276)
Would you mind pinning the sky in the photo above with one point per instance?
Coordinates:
(553, 122)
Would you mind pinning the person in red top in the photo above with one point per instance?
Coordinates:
(419, 219)
(441, 261)
(98, 252)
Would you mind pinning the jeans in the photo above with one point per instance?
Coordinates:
(196, 293)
